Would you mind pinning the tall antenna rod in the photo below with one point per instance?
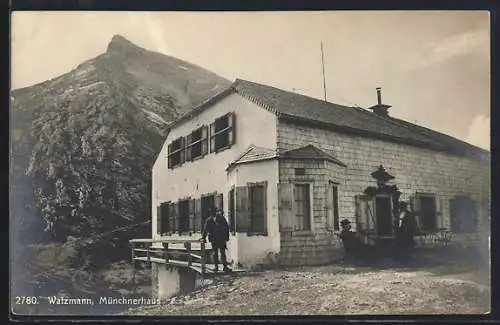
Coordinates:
(323, 66)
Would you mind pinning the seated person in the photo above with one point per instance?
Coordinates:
(348, 237)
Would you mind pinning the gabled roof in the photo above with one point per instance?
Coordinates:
(310, 152)
(253, 154)
(300, 109)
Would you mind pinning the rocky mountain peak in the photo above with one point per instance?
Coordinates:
(119, 43)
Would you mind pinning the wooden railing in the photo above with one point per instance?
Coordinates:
(181, 253)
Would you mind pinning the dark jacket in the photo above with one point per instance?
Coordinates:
(217, 230)
(408, 228)
(350, 241)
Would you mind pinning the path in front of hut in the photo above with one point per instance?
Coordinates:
(447, 286)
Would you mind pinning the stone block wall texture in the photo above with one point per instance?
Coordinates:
(309, 248)
(415, 170)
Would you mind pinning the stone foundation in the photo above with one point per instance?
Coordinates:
(299, 249)
(168, 281)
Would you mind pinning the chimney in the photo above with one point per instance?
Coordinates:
(379, 95)
(380, 109)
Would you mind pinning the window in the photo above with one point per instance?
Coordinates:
(426, 208)
(222, 133)
(302, 202)
(176, 153)
(183, 216)
(251, 209)
(258, 209)
(197, 143)
(463, 214)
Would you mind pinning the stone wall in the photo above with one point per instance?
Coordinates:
(309, 249)
(416, 169)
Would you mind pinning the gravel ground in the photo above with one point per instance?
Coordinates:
(334, 290)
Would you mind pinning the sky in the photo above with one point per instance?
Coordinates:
(433, 66)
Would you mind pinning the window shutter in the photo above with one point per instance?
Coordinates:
(365, 212)
(158, 220)
(336, 216)
(370, 214)
(285, 205)
(416, 207)
(474, 215)
(188, 147)
(204, 140)
(212, 137)
(171, 214)
(329, 206)
(168, 156)
(454, 221)
(439, 216)
(242, 206)
(231, 132)
(175, 217)
(219, 201)
(365, 217)
(264, 207)
(165, 220)
(183, 151)
(197, 215)
(191, 214)
(230, 211)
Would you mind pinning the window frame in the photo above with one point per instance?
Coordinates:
(190, 144)
(473, 205)
(311, 206)
(229, 129)
(418, 208)
(179, 151)
(250, 231)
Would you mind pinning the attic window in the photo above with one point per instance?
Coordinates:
(222, 133)
(176, 153)
(197, 143)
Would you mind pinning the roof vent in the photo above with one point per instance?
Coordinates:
(380, 109)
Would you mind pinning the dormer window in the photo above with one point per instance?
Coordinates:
(222, 133)
(176, 154)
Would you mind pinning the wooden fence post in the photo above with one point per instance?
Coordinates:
(187, 245)
(134, 262)
(165, 252)
(203, 259)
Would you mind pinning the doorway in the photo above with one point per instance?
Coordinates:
(428, 211)
(383, 212)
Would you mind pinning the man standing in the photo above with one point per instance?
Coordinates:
(217, 229)
(406, 231)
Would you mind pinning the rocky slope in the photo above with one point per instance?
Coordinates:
(83, 144)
